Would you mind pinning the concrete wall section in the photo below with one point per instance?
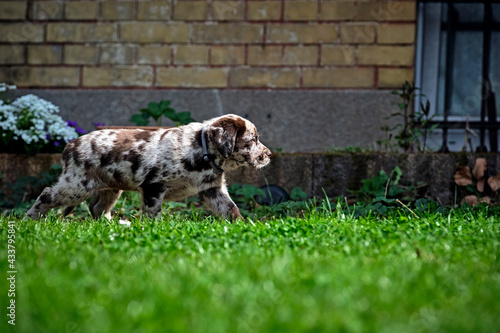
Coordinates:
(293, 120)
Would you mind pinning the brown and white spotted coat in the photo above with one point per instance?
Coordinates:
(165, 164)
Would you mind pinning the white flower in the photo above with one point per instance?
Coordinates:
(5, 87)
(34, 120)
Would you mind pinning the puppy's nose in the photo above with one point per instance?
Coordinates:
(268, 152)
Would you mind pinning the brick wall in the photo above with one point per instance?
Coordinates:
(288, 44)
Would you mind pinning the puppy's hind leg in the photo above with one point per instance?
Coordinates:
(103, 202)
(61, 194)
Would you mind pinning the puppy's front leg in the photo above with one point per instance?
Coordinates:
(218, 200)
(152, 199)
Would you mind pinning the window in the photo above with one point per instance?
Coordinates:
(458, 71)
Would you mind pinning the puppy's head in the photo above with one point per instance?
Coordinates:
(237, 140)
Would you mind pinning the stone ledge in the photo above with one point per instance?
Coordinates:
(317, 174)
(335, 174)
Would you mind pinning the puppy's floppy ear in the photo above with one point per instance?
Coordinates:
(223, 133)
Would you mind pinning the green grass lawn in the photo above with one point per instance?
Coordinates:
(322, 273)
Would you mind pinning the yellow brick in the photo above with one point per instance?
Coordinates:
(228, 10)
(117, 10)
(227, 33)
(386, 55)
(264, 77)
(46, 10)
(81, 32)
(301, 33)
(394, 77)
(154, 10)
(191, 10)
(79, 54)
(45, 76)
(117, 54)
(396, 34)
(301, 10)
(263, 10)
(81, 10)
(118, 76)
(191, 77)
(227, 55)
(358, 33)
(154, 33)
(12, 10)
(300, 55)
(386, 11)
(44, 54)
(191, 55)
(11, 54)
(338, 77)
(154, 55)
(338, 11)
(21, 32)
(338, 55)
(264, 55)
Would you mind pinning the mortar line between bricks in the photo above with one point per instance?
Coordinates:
(153, 84)
(80, 79)
(136, 10)
(246, 54)
(83, 43)
(227, 22)
(99, 9)
(320, 50)
(301, 78)
(282, 14)
(260, 88)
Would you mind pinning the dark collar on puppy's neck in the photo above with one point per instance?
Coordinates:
(206, 157)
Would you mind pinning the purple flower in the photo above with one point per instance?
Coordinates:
(47, 136)
(98, 124)
(71, 123)
(56, 143)
(80, 130)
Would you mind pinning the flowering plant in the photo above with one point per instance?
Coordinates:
(30, 124)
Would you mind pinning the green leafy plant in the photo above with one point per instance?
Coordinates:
(423, 125)
(382, 191)
(298, 194)
(245, 195)
(348, 149)
(159, 110)
(416, 125)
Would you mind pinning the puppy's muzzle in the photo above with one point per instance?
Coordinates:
(264, 158)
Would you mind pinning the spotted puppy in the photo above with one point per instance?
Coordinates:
(165, 164)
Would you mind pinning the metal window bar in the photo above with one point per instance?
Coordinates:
(488, 105)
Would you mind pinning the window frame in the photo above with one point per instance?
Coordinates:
(428, 78)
